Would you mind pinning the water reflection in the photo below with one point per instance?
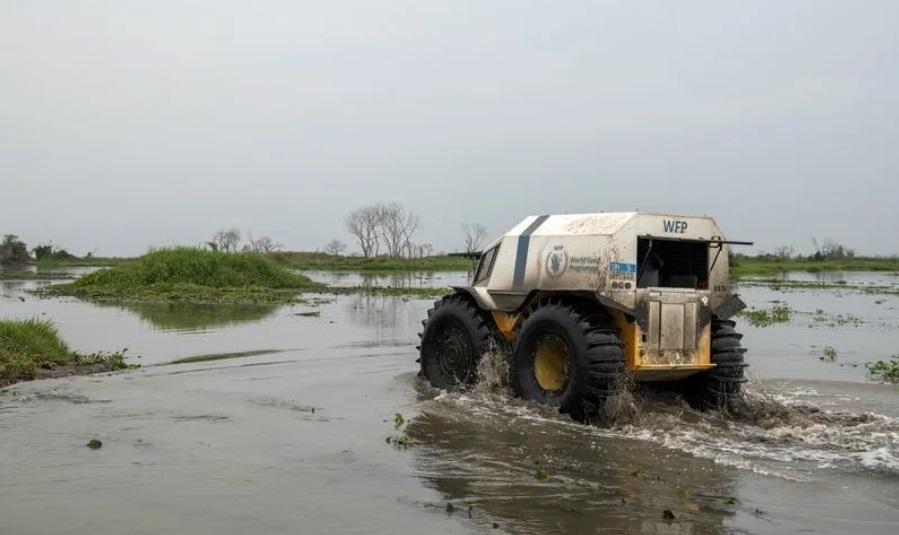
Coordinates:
(193, 317)
(10, 288)
(830, 277)
(398, 280)
(46, 272)
(490, 459)
(383, 313)
(19, 288)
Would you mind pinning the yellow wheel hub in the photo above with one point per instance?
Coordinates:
(551, 363)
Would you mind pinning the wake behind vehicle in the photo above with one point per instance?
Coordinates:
(581, 302)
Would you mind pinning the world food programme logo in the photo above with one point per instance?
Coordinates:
(556, 261)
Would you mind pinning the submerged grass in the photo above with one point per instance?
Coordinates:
(190, 275)
(779, 313)
(19, 274)
(393, 291)
(885, 370)
(749, 266)
(326, 262)
(840, 320)
(30, 348)
(787, 286)
(86, 261)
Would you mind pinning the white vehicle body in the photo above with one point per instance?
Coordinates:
(661, 275)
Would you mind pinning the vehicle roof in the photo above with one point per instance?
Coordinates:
(601, 223)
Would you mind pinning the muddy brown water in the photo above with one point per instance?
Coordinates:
(289, 433)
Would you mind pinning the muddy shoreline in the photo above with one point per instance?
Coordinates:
(57, 371)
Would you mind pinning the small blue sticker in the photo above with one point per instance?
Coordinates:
(621, 267)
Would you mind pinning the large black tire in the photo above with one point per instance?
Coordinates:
(456, 334)
(593, 355)
(717, 388)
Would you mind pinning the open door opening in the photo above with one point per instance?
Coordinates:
(672, 264)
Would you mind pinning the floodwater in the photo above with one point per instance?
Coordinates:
(289, 433)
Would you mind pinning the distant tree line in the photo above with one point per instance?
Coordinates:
(825, 250)
(14, 251)
(232, 241)
(389, 229)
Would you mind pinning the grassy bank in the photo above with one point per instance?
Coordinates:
(32, 349)
(742, 266)
(189, 275)
(326, 262)
(753, 266)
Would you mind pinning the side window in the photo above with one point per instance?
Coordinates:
(485, 266)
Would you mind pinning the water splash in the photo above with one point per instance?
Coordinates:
(766, 431)
(764, 428)
(494, 370)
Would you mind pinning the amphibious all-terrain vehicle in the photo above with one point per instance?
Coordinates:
(580, 302)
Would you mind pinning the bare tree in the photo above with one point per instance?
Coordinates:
(474, 236)
(398, 227)
(784, 252)
(410, 226)
(831, 250)
(836, 251)
(226, 240)
(335, 247)
(364, 223)
(421, 250)
(391, 228)
(387, 224)
(261, 245)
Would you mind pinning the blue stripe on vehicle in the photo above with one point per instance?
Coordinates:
(521, 257)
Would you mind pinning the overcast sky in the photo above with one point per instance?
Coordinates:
(127, 124)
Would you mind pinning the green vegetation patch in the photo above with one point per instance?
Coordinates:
(885, 370)
(839, 320)
(190, 275)
(779, 313)
(33, 348)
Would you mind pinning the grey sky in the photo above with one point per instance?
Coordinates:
(128, 124)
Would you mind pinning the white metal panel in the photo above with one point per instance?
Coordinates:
(504, 265)
(584, 224)
(677, 226)
(672, 324)
(518, 229)
(592, 252)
